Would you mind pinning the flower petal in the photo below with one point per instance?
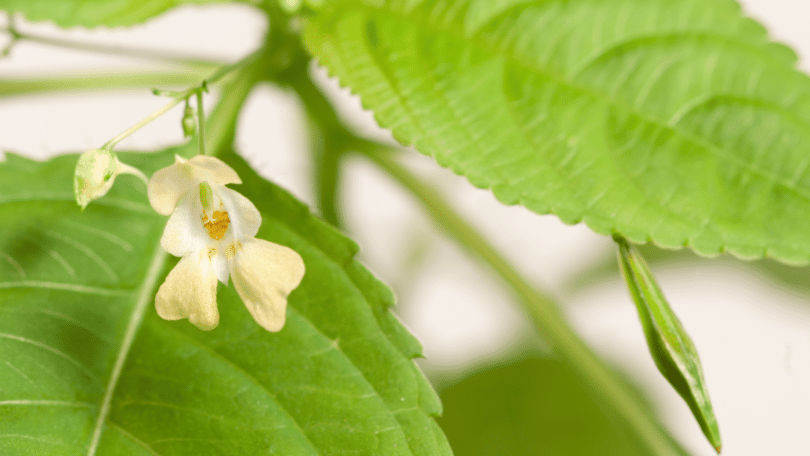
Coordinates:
(212, 169)
(190, 291)
(169, 184)
(220, 264)
(184, 231)
(264, 274)
(245, 218)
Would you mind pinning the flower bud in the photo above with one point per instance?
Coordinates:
(189, 121)
(95, 173)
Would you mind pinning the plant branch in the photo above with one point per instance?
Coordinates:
(604, 384)
(134, 52)
(200, 122)
(26, 85)
(329, 138)
(180, 97)
(220, 125)
(328, 142)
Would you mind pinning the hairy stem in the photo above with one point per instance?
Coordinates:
(602, 382)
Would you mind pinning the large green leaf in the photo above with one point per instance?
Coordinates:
(93, 13)
(530, 407)
(85, 357)
(663, 120)
(670, 346)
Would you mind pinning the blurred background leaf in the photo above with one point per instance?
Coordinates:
(529, 407)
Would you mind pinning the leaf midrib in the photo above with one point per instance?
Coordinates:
(144, 296)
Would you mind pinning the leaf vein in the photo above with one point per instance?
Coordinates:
(84, 369)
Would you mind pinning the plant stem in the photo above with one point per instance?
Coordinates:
(607, 388)
(140, 53)
(111, 143)
(328, 141)
(602, 382)
(26, 85)
(200, 123)
(181, 97)
(221, 123)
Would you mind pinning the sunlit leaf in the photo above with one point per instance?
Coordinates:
(338, 379)
(672, 121)
(671, 348)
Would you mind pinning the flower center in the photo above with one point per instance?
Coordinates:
(217, 225)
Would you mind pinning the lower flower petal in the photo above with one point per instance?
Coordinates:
(184, 233)
(264, 274)
(190, 291)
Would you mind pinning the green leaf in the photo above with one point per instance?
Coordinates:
(111, 13)
(530, 407)
(671, 348)
(671, 121)
(85, 358)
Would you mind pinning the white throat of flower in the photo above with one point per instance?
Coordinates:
(212, 228)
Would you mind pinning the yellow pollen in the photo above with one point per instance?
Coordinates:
(217, 225)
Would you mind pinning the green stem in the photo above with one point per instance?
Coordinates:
(326, 146)
(605, 385)
(181, 97)
(327, 161)
(329, 139)
(26, 85)
(221, 123)
(121, 136)
(200, 123)
(140, 53)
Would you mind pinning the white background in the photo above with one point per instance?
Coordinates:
(754, 340)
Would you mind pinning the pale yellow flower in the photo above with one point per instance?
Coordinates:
(212, 228)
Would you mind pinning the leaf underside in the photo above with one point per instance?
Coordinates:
(671, 121)
(338, 378)
(534, 407)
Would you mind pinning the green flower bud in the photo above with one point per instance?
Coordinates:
(95, 173)
(189, 121)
